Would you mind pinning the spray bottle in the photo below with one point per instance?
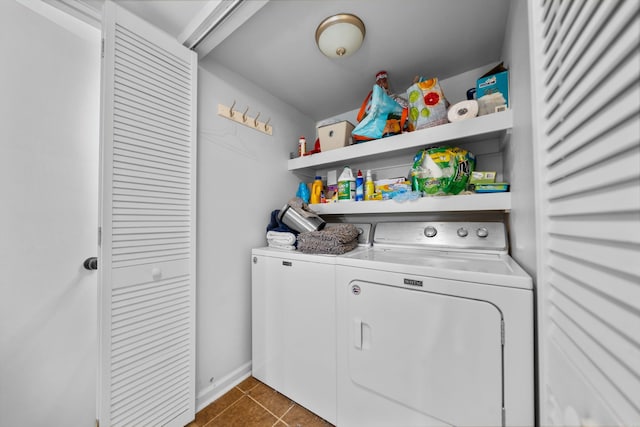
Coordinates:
(369, 188)
(359, 187)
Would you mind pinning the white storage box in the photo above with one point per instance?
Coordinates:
(335, 136)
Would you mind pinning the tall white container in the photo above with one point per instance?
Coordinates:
(346, 186)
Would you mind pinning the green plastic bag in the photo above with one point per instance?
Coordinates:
(441, 170)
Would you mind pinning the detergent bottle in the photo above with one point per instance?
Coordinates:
(303, 192)
(346, 185)
(316, 190)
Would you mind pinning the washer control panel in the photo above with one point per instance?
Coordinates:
(489, 236)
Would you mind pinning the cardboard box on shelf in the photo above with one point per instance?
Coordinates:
(482, 177)
(495, 88)
(334, 136)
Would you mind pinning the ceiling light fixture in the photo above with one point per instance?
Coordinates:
(340, 35)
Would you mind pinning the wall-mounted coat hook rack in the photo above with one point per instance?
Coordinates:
(243, 119)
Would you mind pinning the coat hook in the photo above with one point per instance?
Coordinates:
(255, 121)
(231, 108)
(244, 115)
(266, 124)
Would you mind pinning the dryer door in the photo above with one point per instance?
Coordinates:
(439, 355)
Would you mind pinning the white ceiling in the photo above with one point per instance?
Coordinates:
(275, 48)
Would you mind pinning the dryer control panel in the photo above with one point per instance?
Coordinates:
(465, 236)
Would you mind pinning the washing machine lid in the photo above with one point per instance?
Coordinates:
(488, 269)
(467, 251)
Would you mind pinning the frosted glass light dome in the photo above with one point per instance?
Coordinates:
(340, 35)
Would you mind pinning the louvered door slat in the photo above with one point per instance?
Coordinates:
(144, 209)
(564, 346)
(121, 240)
(623, 292)
(605, 201)
(141, 331)
(606, 254)
(604, 64)
(564, 46)
(586, 72)
(553, 60)
(616, 140)
(164, 59)
(133, 130)
(161, 147)
(596, 126)
(148, 215)
(133, 183)
(130, 380)
(126, 403)
(137, 62)
(157, 63)
(584, 324)
(617, 87)
(126, 160)
(148, 179)
(130, 189)
(589, 351)
(598, 174)
(614, 330)
(162, 104)
(623, 230)
(589, 43)
(132, 108)
(157, 170)
(142, 121)
(569, 48)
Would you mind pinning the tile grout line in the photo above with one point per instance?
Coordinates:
(274, 415)
(285, 413)
(229, 406)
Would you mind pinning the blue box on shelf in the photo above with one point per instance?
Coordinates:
(494, 83)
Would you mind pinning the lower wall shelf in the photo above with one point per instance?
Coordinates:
(461, 202)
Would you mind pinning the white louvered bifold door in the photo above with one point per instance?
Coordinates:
(586, 68)
(147, 254)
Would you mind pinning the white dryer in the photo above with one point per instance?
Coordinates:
(434, 328)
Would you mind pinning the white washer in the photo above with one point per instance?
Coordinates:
(434, 328)
(293, 324)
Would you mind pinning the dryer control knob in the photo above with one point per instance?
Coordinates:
(462, 232)
(430, 231)
(482, 232)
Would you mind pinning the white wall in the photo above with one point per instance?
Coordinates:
(49, 125)
(518, 152)
(242, 177)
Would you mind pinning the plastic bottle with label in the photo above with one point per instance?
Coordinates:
(359, 186)
(302, 146)
(303, 192)
(346, 185)
(369, 188)
(316, 190)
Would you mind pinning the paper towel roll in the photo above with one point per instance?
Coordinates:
(463, 110)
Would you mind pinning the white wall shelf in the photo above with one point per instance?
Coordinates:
(461, 202)
(491, 126)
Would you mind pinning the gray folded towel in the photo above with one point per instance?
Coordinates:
(336, 240)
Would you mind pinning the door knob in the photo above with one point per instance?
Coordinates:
(91, 263)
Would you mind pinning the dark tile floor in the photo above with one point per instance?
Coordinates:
(254, 404)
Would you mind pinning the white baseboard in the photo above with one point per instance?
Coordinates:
(218, 388)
